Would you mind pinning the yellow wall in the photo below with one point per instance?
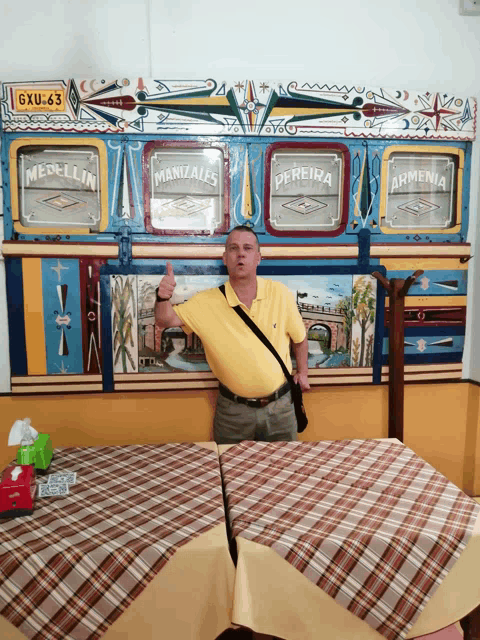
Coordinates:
(441, 420)
(472, 442)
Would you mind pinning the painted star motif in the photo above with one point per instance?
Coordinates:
(424, 283)
(251, 105)
(422, 345)
(62, 368)
(436, 113)
(58, 269)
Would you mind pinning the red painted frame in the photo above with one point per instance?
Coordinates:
(185, 144)
(344, 150)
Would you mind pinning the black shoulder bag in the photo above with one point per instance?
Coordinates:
(297, 398)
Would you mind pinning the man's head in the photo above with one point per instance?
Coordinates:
(242, 253)
(243, 227)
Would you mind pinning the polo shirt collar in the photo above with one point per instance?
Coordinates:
(232, 298)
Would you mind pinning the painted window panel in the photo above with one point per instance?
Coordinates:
(421, 191)
(305, 189)
(59, 186)
(186, 190)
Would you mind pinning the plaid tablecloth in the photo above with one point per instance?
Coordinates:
(368, 521)
(70, 569)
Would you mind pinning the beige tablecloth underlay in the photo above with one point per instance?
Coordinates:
(189, 599)
(272, 597)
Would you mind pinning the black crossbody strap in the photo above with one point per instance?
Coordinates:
(260, 335)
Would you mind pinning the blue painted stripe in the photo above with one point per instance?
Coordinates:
(430, 358)
(434, 279)
(58, 320)
(379, 325)
(422, 332)
(364, 248)
(266, 268)
(16, 317)
(426, 343)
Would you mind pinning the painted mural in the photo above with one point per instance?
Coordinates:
(103, 180)
(338, 313)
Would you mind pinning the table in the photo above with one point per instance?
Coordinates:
(138, 549)
(273, 597)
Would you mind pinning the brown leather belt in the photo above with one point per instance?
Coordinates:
(256, 403)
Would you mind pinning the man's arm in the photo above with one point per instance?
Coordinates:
(165, 315)
(301, 356)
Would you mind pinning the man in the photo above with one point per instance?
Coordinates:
(254, 401)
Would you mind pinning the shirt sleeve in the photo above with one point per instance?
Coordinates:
(189, 312)
(295, 326)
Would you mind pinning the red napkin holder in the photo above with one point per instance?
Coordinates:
(17, 491)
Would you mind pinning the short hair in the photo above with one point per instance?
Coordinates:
(243, 227)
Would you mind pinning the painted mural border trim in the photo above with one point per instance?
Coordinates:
(13, 249)
(240, 107)
(57, 389)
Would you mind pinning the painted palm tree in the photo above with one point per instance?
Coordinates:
(122, 296)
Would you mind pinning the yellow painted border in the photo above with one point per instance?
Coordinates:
(14, 248)
(50, 379)
(427, 264)
(386, 252)
(58, 388)
(33, 309)
(420, 149)
(420, 251)
(433, 301)
(72, 142)
(268, 252)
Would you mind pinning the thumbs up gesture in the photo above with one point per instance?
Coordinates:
(167, 284)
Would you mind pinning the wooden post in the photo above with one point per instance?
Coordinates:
(471, 625)
(397, 290)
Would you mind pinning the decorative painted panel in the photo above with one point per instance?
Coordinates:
(62, 316)
(235, 108)
(91, 317)
(134, 172)
(132, 191)
(434, 317)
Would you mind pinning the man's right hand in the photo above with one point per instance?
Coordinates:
(167, 284)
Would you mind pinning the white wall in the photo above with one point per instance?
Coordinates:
(415, 44)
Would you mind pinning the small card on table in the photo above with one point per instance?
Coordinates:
(45, 490)
(65, 477)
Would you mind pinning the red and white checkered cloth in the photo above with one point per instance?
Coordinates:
(69, 570)
(368, 521)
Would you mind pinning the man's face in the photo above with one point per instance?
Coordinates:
(241, 256)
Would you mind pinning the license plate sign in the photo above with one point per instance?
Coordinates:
(40, 100)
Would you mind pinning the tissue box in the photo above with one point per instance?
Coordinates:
(17, 491)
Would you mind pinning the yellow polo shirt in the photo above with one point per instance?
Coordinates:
(235, 354)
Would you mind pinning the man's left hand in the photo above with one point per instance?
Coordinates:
(302, 379)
